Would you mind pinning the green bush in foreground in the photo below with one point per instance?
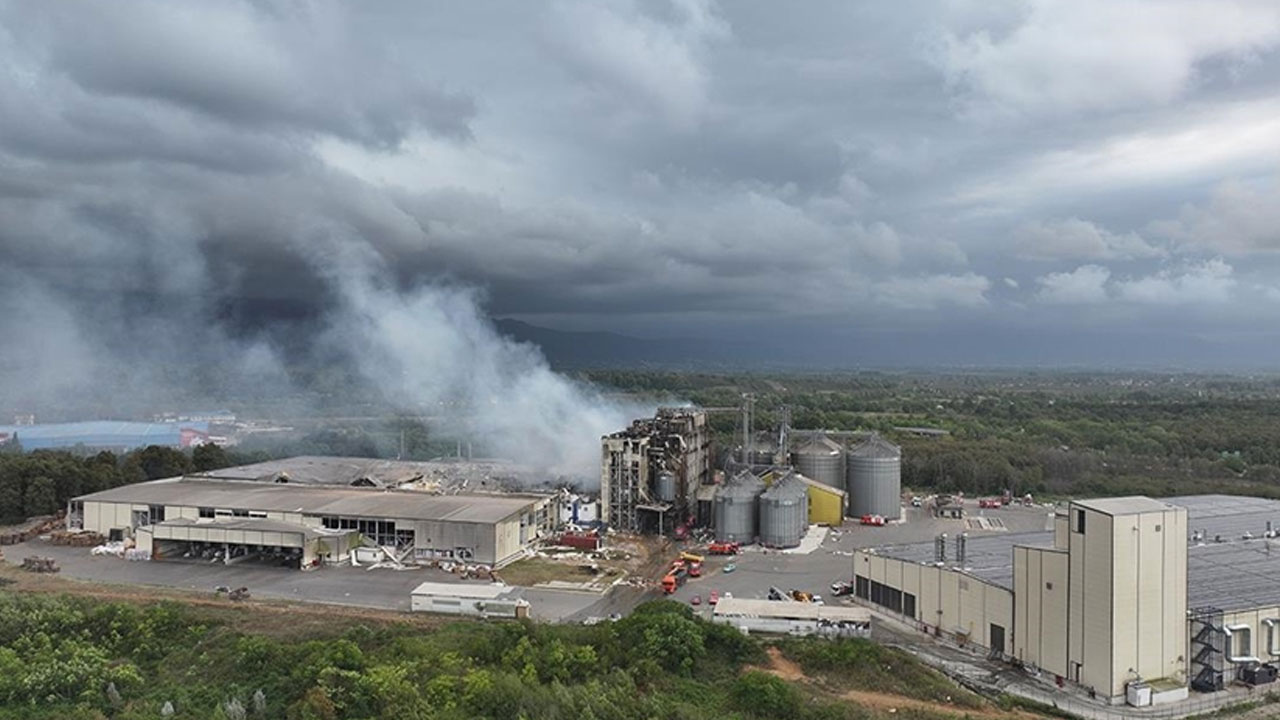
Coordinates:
(81, 659)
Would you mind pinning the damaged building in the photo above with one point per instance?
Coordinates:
(310, 511)
(651, 472)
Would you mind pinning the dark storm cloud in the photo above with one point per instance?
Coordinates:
(177, 172)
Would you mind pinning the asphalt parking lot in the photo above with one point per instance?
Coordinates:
(380, 589)
(757, 570)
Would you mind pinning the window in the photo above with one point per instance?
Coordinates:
(1157, 528)
(257, 514)
(206, 512)
(1080, 521)
(1243, 641)
(240, 513)
(1048, 586)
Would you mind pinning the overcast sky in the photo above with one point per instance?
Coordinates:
(1090, 168)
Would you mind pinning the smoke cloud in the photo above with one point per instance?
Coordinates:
(431, 350)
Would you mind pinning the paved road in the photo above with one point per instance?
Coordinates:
(382, 589)
(389, 589)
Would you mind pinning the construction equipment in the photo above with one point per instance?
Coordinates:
(674, 579)
(695, 569)
(724, 548)
(800, 595)
(691, 557)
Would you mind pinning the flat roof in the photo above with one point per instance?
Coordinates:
(749, 607)
(331, 470)
(481, 591)
(241, 523)
(1233, 574)
(1131, 505)
(317, 500)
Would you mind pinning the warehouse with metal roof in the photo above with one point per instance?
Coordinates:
(1168, 595)
(310, 524)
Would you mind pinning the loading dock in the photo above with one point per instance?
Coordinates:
(244, 540)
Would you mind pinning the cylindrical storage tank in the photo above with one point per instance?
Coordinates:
(875, 479)
(736, 509)
(665, 487)
(820, 458)
(784, 513)
(762, 451)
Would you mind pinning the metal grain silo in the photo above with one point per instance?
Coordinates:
(736, 509)
(820, 458)
(784, 513)
(875, 479)
(665, 486)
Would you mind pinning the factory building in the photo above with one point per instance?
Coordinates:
(651, 472)
(1132, 598)
(114, 435)
(314, 515)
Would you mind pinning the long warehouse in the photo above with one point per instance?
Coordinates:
(309, 525)
(1124, 593)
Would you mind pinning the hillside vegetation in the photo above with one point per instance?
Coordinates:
(65, 657)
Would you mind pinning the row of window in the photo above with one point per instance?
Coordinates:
(208, 512)
(903, 603)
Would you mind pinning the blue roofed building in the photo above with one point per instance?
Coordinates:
(119, 435)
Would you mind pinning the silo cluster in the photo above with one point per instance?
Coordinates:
(736, 509)
(784, 513)
(874, 479)
(820, 458)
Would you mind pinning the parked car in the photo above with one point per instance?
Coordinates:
(730, 567)
(841, 588)
(714, 597)
(696, 600)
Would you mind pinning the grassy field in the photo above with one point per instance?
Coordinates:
(534, 570)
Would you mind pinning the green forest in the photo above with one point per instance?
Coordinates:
(1052, 434)
(82, 659)
(1049, 433)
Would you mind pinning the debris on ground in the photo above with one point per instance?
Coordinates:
(33, 527)
(76, 538)
(36, 563)
(115, 548)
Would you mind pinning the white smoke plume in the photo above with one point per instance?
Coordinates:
(433, 352)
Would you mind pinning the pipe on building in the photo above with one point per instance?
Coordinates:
(1270, 624)
(1232, 631)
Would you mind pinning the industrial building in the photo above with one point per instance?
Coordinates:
(491, 600)
(114, 435)
(312, 512)
(792, 618)
(1130, 598)
(652, 471)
